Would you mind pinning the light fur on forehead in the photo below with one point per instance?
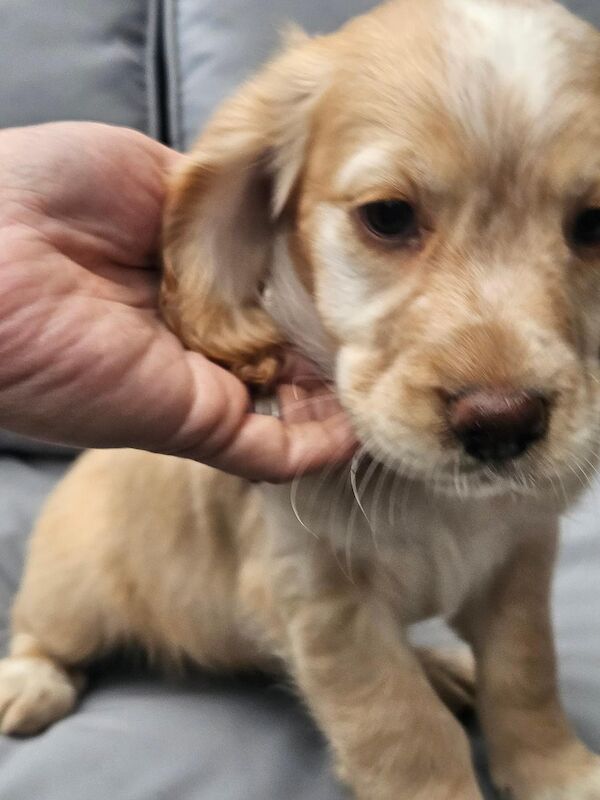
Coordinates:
(224, 208)
(520, 50)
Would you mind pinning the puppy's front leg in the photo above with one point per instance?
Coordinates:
(392, 736)
(533, 752)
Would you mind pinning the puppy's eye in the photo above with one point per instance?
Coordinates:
(586, 231)
(393, 220)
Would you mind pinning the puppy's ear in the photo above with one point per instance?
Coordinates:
(223, 211)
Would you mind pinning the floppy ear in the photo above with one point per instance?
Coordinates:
(223, 210)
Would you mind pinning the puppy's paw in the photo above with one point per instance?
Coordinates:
(575, 775)
(34, 693)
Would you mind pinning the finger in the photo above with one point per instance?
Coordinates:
(324, 404)
(298, 404)
(227, 436)
(269, 449)
(294, 403)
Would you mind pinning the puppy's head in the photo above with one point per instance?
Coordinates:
(414, 202)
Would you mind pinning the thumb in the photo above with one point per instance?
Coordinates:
(228, 435)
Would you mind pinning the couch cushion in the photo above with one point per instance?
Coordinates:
(588, 9)
(76, 59)
(213, 45)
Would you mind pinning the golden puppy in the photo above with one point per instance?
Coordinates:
(413, 203)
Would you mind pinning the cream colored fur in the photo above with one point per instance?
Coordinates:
(322, 579)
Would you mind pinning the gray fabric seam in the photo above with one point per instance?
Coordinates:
(173, 73)
(153, 111)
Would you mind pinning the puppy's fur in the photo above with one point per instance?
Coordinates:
(484, 115)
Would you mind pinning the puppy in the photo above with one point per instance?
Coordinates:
(413, 203)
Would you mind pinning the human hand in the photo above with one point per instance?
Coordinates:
(85, 358)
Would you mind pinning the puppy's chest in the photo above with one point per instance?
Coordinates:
(439, 555)
(423, 553)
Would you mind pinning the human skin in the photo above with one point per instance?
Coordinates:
(85, 358)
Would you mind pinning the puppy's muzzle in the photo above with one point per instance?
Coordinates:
(497, 425)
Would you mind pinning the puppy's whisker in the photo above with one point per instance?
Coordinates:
(593, 467)
(294, 505)
(354, 466)
(349, 538)
(340, 491)
(458, 482)
(579, 474)
(362, 490)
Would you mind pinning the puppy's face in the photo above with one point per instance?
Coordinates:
(442, 216)
(450, 224)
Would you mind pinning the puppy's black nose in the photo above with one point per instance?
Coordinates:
(495, 425)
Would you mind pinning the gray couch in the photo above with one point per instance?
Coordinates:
(161, 67)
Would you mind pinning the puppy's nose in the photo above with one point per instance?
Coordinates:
(495, 425)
